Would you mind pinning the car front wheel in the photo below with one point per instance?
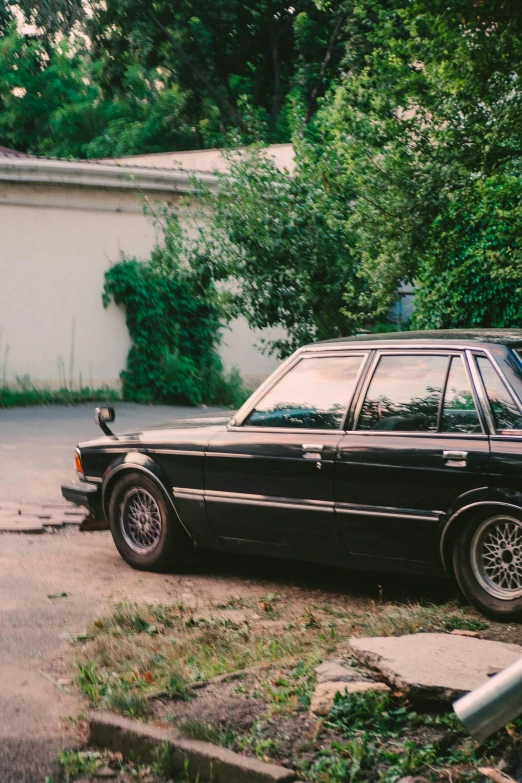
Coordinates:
(487, 560)
(144, 527)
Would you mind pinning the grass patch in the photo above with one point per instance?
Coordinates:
(395, 620)
(206, 732)
(84, 765)
(141, 651)
(379, 740)
(26, 394)
(77, 764)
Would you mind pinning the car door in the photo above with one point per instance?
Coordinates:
(269, 478)
(417, 444)
(504, 412)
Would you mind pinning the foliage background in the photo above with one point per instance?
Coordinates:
(174, 316)
(406, 116)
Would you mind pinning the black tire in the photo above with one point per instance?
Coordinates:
(488, 573)
(144, 526)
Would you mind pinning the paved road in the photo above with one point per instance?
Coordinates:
(37, 444)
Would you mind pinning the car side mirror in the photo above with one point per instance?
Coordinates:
(104, 415)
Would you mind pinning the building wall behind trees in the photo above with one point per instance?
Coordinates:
(57, 242)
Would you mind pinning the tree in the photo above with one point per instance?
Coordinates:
(137, 77)
(243, 62)
(51, 16)
(428, 119)
(51, 103)
(281, 240)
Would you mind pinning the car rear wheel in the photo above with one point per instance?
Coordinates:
(487, 560)
(144, 527)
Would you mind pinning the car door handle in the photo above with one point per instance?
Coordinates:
(459, 457)
(312, 450)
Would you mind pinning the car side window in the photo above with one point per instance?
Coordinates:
(313, 394)
(459, 413)
(506, 414)
(404, 394)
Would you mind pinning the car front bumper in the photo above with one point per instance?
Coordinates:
(82, 493)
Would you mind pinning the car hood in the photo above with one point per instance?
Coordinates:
(197, 429)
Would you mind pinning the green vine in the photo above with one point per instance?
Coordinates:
(174, 315)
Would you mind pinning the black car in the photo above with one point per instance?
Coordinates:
(397, 452)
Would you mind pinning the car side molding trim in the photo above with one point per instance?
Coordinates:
(136, 467)
(391, 513)
(188, 491)
(254, 500)
(174, 452)
(218, 496)
(460, 511)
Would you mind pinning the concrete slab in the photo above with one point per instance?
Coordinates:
(434, 667)
(194, 759)
(20, 524)
(335, 671)
(32, 518)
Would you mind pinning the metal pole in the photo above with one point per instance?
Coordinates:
(492, 705)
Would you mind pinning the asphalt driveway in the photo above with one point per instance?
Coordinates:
(37, 444)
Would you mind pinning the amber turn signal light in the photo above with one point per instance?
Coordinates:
(77, 463)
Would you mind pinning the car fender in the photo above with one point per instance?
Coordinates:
(465, 504)
(141, 463)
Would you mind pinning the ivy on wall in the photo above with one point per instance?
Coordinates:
(174, 316)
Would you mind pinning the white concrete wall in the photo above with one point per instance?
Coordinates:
(241, 347)
(55, 245)
(203, 160)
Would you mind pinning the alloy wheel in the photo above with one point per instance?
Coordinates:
(496, 557)
(140, 520)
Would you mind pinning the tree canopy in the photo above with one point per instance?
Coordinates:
(428, 122)
(406, 117)
(129, 77)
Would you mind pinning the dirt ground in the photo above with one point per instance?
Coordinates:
(35, 653)
(39, 705)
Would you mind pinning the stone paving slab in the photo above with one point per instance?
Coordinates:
(34, 518)
(434, 667)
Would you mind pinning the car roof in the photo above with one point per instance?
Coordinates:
(465, 337)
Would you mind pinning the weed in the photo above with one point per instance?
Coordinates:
(371, 710)
(109, 690)
(207, 732)
(177, 687)
(161, 764)
(140, 651)
(233, 602)
(376, 744)
(259, 741)
(24, 393)
(135, 705)
(79, 763)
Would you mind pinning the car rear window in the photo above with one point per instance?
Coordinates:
(506, 413)
(404, 394)
(459, 413)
